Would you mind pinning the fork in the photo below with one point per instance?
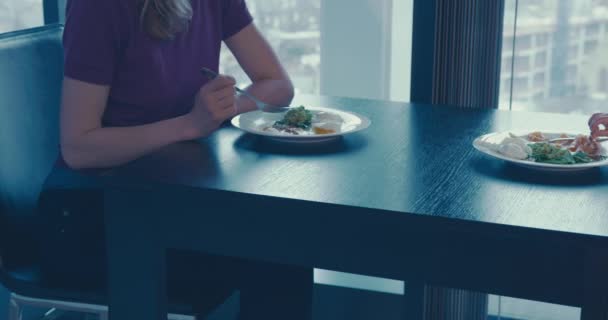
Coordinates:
(600, 139)
(262, 106)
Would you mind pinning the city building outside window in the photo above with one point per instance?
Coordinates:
(568, 43)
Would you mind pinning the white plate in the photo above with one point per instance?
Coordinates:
(254, 122)
(496, 137)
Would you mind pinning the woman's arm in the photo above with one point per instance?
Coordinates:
(271, 83)
(86, 144)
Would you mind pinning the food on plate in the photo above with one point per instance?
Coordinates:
(515, 147)
(586, 145)
(295, 118)
(537, 147)
(551, 153)
(536, 136)
(511, 146)
(556, 154)
(326, 122)
(319, 130)
(300, 121)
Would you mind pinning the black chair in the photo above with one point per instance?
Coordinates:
(31, 64)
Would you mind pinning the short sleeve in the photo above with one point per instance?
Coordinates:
(236, 17)
(92, 40)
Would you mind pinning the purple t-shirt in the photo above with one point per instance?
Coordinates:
(150, 79)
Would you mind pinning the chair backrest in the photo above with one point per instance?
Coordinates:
(31, 73)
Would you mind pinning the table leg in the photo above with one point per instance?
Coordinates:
(595, 304)
(136, 263)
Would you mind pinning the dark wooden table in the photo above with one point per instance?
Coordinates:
(409, 199)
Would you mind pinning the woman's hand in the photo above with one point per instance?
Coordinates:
(597, 120)
(214, 104)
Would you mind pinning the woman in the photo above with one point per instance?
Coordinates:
(131, 75)
(132, 85)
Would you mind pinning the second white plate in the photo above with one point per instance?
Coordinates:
(498, 136)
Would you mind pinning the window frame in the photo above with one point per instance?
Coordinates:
(51, 11)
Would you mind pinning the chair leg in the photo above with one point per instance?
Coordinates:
(15, 312)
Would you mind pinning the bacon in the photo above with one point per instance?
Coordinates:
(536, 136)
(587, 145)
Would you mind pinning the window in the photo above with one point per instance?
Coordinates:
(593, 29)
(540, 61)
(506, 83)
(506, 66)
(512, 308)
(542, 40)
(574, 33)
(539, 80)
(524, 42)
(521, 86)
(20, 14)
(507, 44)
(590, 47)
(571, 73)
(570, 50)
(603, 83)
(293, 30)
(522, 63)
(572, 53)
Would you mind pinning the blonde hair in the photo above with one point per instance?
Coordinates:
(163, 19)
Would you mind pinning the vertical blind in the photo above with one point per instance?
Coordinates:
(453, 304)
(468, 42)
(459, 45)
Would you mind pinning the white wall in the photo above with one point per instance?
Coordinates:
(401, 50)
(356, 48)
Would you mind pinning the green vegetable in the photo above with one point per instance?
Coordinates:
(548, 153)
(581, 157)
(297, 117)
